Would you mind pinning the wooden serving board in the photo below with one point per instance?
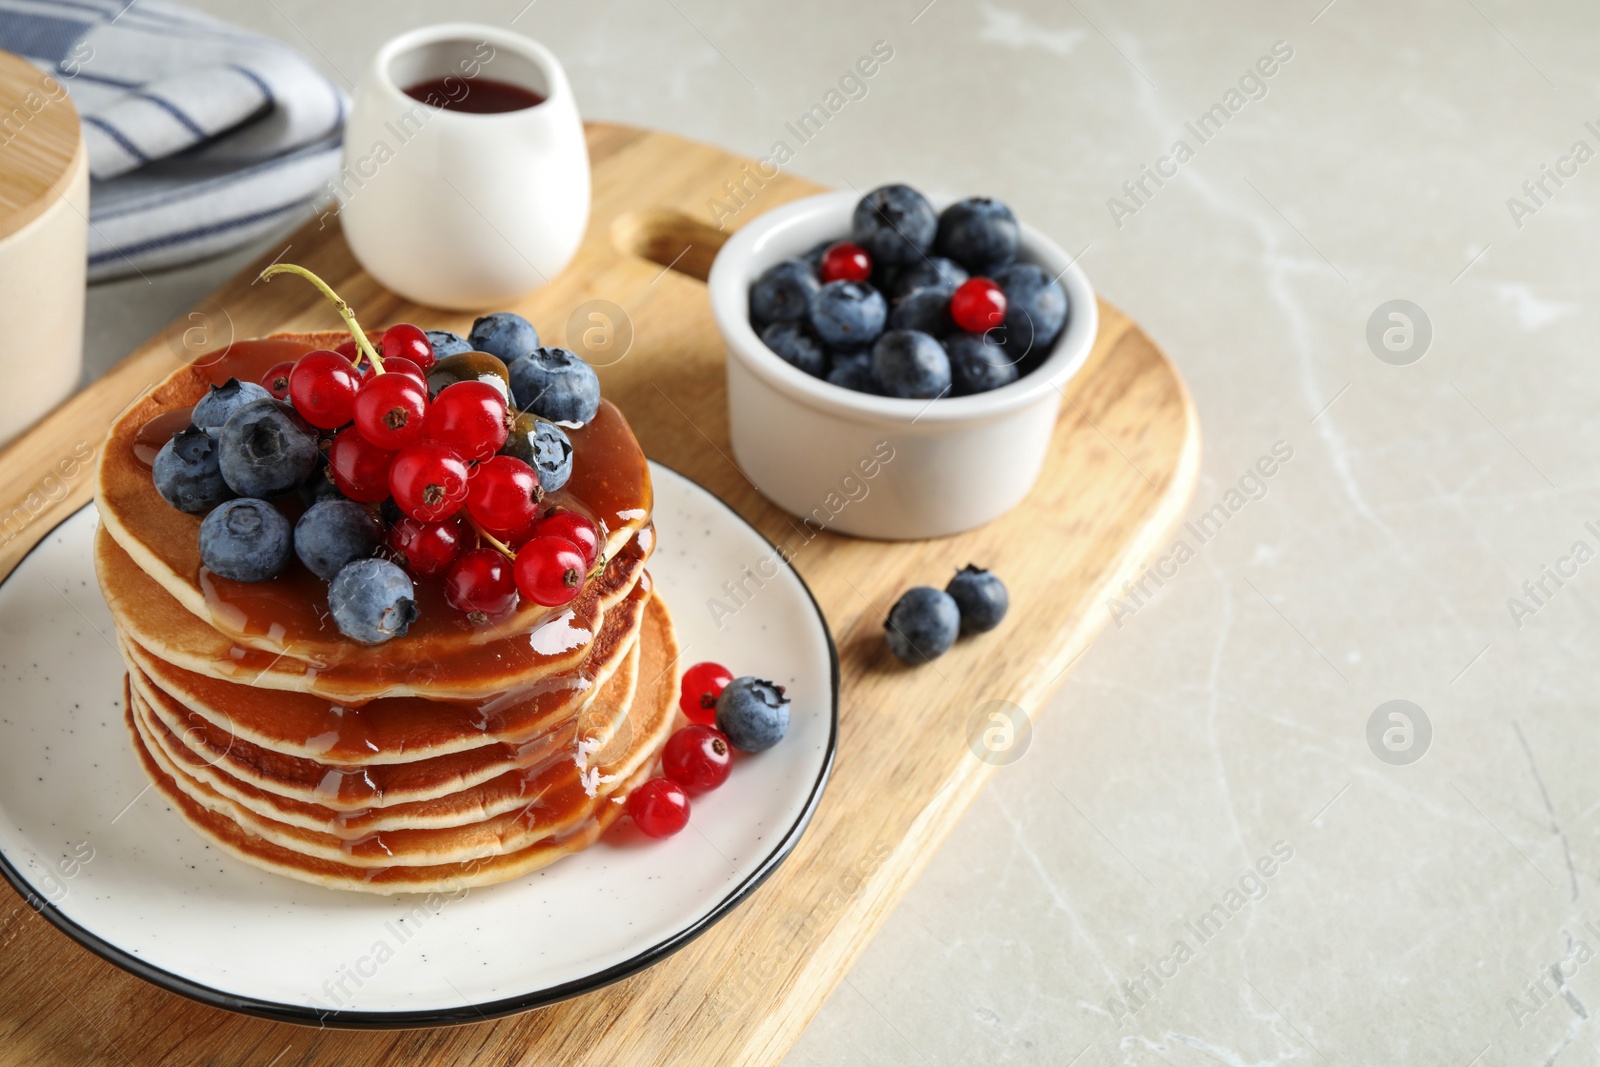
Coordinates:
(1124, 462)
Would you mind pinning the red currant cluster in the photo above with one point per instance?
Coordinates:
(696, 760)
(436, 456)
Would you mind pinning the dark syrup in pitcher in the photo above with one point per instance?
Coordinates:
(475, 96)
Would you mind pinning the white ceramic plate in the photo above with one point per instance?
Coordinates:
(106, 860)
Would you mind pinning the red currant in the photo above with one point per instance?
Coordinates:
(503, 495)
(426, 548)
(845, 262)
(660, 807)
(575, 528)
(276, 380)
(550, 571)
(470, 417)
(392, 409)
(323, 387)
(408, 342)
(978, 304)
(480, 583)
(429, 481)
(698, 758)
(402, 365)
(524, 535)
(702, 685)
(351, 351)
(360, 469)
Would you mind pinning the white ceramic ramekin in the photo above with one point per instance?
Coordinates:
(877, 466)
(456, 209)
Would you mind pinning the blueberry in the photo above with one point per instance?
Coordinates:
(922, 625)
(980, 597)
(814, 257)
(978, 363)
(926, 309)
(469, 367)
(848, 314)
(938, 271)
(978, 233)
(555, 384)
(895, 224)
(372, 600)
(854, 372)
(794, 344)
(319, 485)
(332, 533)
(542, 445)
(223, 400)
(187, 472)
(753, 713)
(886, 278)
(783, 292)
(552, 456)
(247, 540)
(446, 343)
(910, 364)
(264, 452)
(1036, 308)
(503, 334)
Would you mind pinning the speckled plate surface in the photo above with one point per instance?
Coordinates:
(112, 866)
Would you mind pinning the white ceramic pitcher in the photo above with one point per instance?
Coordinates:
(455, 209)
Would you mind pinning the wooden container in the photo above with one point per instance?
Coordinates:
(44, 229)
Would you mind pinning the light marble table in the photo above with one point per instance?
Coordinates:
(1414, 911)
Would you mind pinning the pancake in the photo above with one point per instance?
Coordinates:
(359, 789)
(474, 802)
(559, 796)
(466, 752)
(535, 771)
(441, 860)
(610, 483)
(443, 878)
(154, 620)
(391, 729)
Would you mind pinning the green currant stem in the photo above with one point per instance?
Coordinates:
(338, 302)
(493, 541)
(510, 553)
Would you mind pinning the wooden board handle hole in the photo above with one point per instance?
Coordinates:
(669, 238)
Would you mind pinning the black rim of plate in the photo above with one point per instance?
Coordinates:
(467, 1013)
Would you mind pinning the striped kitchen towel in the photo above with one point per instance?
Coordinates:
(201, 136)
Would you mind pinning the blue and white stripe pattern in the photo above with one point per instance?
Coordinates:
(201, 136)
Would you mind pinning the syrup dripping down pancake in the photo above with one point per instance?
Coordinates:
(392, 729)
(562, 795)
(540, 764)
(444, 878)
(468, 857)
(354, 790)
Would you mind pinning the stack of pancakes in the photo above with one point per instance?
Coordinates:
(461, 754)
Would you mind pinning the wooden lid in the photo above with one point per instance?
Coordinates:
(40, 143)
